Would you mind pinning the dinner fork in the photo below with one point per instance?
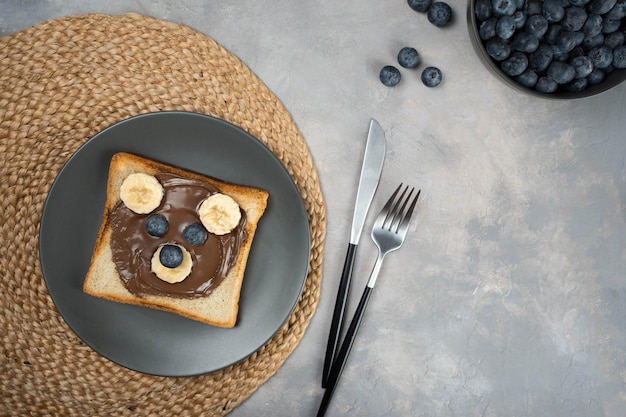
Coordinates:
(388, 233)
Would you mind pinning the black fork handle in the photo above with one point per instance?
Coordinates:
(342, 357)
(340, 308)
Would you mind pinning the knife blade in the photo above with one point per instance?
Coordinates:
(371, 169)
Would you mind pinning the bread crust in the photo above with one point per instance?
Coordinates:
(220, 308)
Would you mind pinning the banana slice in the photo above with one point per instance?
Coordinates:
(219, 213)
(141, 193)
(172, 275)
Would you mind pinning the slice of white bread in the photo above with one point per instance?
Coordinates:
(220, 308)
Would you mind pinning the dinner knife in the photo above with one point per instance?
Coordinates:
(368, 182)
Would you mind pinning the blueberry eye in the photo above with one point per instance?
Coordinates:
(195, 234)
(171, 256)
(156, 225)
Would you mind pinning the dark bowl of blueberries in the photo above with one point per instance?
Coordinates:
(559, 49)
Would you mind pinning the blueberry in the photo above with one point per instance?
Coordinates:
(515, 64)
(497, 49)
(533, 7)
(567, 40)
(618, 11)
(156, 225)
(482, 9)
(593, 25)
(546, 85)
(561, 72)
(615, 39)
(596, 76)
(171, 256)
(503, 7)
(195, 234)
(390, 76)
(431, 77)
(408, 57)
(439, 14)
(419, 5)
(553, 33)
(553, 10)
(610, 26)
(527, 78)
(619, 57)
(574, 19)
(560, 54)
(601, 6)
(601, 56)
(582, 65)
(525, 42)
(578, 85)
(594, 41)
(519, 17)
(505, 28)
(579, 3)
(537, 25)
(487, 28)
(541, 58)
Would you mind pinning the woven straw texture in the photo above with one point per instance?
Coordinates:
(61, 82)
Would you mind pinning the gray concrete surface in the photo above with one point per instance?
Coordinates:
(509, 297)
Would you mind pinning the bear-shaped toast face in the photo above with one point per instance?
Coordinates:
(168, 250)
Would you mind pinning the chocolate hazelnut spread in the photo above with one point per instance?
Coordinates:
(133, 247)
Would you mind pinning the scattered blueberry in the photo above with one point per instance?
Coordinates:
(497, 49)
(561, 72)
(408, 57)
(431, 77)
(505, 28)
(582, 66)
(156, 225)
(195, 234)
(515, 64)
(419, 5)
(390, 76)
(619, 57)
(439, 14)
(171, 256)
(601, 56)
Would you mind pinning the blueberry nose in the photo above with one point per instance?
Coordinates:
(171, 256)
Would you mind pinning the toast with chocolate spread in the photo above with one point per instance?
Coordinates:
(174, 240)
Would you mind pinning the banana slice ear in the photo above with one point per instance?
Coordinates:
(141, 193)
(219, 214)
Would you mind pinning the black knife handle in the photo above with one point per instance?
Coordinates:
(336, 324)
(344, 352)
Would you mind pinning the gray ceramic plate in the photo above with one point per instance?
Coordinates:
(152, 341)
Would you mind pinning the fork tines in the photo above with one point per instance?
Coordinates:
(394, 216)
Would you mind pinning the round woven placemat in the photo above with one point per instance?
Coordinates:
(61, 82)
